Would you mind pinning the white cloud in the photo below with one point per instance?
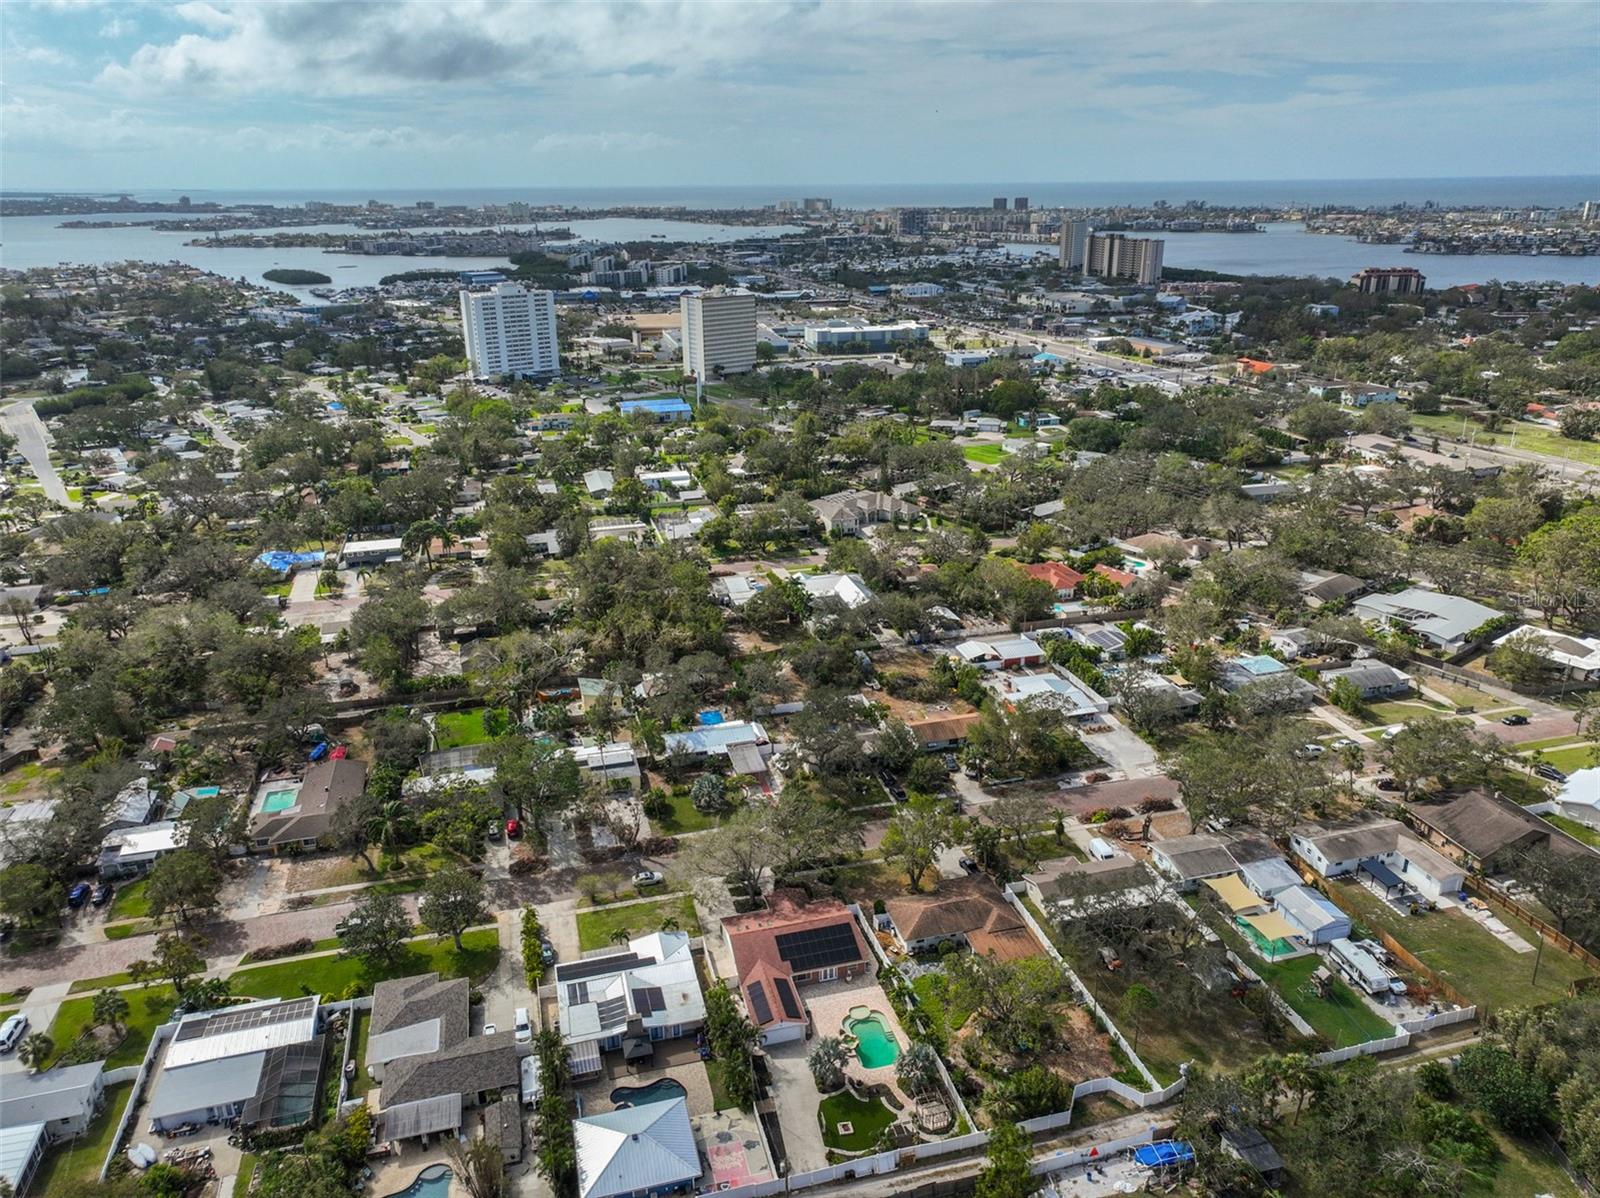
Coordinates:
(603, 143)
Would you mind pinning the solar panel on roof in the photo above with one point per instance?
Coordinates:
(818, 948)
(786, 997)
(649, 998)
(759, 1006)
(612, 1010)
(593, 967)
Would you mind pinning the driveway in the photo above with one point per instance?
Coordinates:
(1122, 749)
(797, 1099)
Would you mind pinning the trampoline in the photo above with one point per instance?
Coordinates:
(1163, 1153)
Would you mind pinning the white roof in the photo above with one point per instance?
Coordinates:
(1582, 788)
(1442, 616)
(154, 838)
(48, 1096)
(634, 1149)
(849, 589)
(206, 1084)
(17, 1146)
(381, 545)
(1308, 910)
(600, 1003)
(1067, 693)
(1564, 648)
(412, 1040)
(239, 1031)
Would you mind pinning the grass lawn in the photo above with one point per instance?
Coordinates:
(684, 817)
(1219, 1032)
(596, 926)
(1531, 437)
(129, 902)
(103, 982)
(1465, 954)
(1524, 1168)
(721, 1100)
(1519, 787)
(247, 1170)
(867, 1121)
(987, 455)
(1398, 711)
(1462, 696)
(457, 728)
(1041, 847)
(147, 1010)
(1552, 742)
(72, 1167)
(332, 975)
(133, 927)
(933, 999)
(362, 1082)
(1567, 760)
(1342, 1016)
(1577, 831)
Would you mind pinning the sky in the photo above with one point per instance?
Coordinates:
(344, 94)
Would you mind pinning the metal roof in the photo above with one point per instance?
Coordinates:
(636, 1149)
(17, 1146)
(207, 1084)
(420, 1118)
(45, 1097)
(406, 1041)
(237, 1031)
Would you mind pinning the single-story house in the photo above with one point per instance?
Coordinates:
(1580, 797)
(22, 1150)
(846, 513)
(1004, 653)
(599, 483)
(1485, 831)
(1573, 657)
(1065, 878)
(1383, 849)
(1323, 586)
(65, 1099)
(1269, 876)
(1291, 642)
(1317, 918)
(260, 1063)
(132, 807)
(1192, 859)
(743, 742)
(1061, 577)
(133, 851)
(1443, 621)
(640, 1151)
(372, 552)
(849, 589)
(968, 911)
(1372, 679)
(1056, 688)
(788, 944)
(290, 813)
(940, 734)
(428, 1065)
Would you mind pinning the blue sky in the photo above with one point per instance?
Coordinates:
(213, 94)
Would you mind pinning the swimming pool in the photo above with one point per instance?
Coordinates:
(432, 1182)
(278, 800)
(875, 1044)
(663, 1089)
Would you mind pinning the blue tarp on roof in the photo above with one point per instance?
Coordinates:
(1163, 1152)
(282, 561)
(666, 403)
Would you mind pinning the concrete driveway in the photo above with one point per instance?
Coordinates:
(1122, 749)
(797, 1099)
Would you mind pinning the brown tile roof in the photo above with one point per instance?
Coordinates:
(964, 907)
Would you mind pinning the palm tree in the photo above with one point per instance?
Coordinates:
(391, 825)
(35, 1050)
(670, 924)
(621, 936)
(110, 1008)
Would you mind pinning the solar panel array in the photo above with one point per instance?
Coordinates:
(786, 997)
(220, 1023)
(647, 999)
(818, 948)
(612, 1010)
(758, 1003)
(593, 967)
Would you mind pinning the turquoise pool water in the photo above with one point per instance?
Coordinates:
(432, 1182)
(278, 800)
(875, 1043)
(661, 1090)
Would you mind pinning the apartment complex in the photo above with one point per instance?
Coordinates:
(1113, 256)
(510, 330)
(1389, 280)
(719, 333)
(1074, 243)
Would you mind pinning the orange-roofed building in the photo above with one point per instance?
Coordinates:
(1061, 576)
(787, 944)
(1121, 577)
(1252, 366)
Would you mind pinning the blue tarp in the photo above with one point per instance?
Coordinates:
(1163, 1152)
(282, 561)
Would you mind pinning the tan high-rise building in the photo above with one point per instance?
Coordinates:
(719, 333)
(1113, 256)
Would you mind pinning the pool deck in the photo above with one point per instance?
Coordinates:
(689, 1072)
(830, 1004)
(392, 1174)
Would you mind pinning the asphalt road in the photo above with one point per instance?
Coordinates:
(33, 443)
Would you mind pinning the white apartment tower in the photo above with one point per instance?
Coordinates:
(510, 330)
(1074, 240)
(719, 333)
(1113, 256)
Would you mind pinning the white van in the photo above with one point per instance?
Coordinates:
(12, 1031)
(522, 1026)
(1102, 850)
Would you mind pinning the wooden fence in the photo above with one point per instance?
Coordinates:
(1510, 906)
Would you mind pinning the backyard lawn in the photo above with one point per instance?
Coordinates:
(1467, 956)
(933, 1000)
(867, 1121)
(1218, 1032)
(596, 927)
(362, 1081)
(986, 455)
(721, 1100)
(148, 1009)
(454, 729)
(72, 1167)
(333, 975)
(1577, 831)
(1342, 1017)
